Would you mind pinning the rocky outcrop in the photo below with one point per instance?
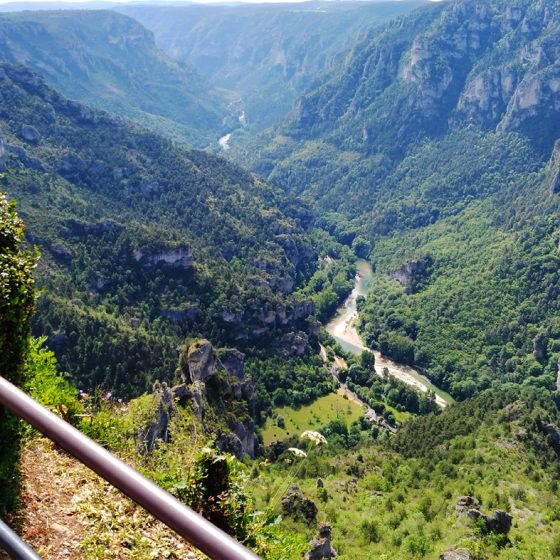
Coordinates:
(158, 429)
(412, 273)
(458, 554)
(197, 362)
(465, 503)
(233, 361)
(499, 522)
(258, 318)
(550, 431)
(71, 166)
(291, 345)
(296, 505)
(3, 146)
(216, 379)
(536, 98)
(179, 258)
(320, 547)
(61, 252)
(190, 314)
(30, 134)
(554, 187)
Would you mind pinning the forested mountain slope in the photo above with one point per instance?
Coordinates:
(144, 242)
(432, 146)
(111, 62)
(266, 54)
(477, 482)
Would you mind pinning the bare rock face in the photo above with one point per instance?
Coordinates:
(459, 554)
(157, 430)
(320, 547)
(197, 362)
(291, 345)
(412, 273)
(465, 503)
(555, 183)
(3, 146)
(554, 187)
(179, 258)
(233, 361)
(297, 505)
(536, 93)
(30, 134)
(216, 379)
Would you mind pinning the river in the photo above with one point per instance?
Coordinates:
(343, 330)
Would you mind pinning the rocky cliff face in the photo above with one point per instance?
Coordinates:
(492, 63)
(214, 384)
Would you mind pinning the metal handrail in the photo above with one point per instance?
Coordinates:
(205, 536)
(14, 546)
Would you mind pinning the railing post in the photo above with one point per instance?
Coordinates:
(14, 546)
(194, 528)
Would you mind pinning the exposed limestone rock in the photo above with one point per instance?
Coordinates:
(487, 94)
(216, 379)
(197, 362)
(30, 134)
(465, 503)
(233, 361)
(551, 431)
(189, 314)
(3, 146)
(320, 547)
(411, 274)
(242, 439)
(555, 183)
(459, 554)
(297, 505)
(291, 345)
(158, 430)
(180, 258)
(97, 282)
(537, 96)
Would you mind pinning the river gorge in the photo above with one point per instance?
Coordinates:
(343, 329)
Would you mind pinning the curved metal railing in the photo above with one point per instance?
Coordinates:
(14, 546)
(194, 528)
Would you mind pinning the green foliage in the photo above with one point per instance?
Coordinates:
(266, 70)
(404, 155)
(146, 242)
(291, 383)
(398, 346)
(94, 68)
(49, 387)
(17, 296)
(397, 498)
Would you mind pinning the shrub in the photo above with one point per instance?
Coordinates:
(16, 306)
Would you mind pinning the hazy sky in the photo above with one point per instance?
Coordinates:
(151, 1)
